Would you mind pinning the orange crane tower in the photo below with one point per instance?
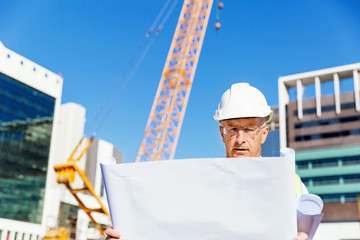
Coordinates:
(167, 113)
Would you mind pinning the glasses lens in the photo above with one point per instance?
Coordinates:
(247, 130)
(230, 131)
(250, 130)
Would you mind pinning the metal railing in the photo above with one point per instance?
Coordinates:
(16, 230)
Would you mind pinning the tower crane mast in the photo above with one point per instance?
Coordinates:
(168, 109)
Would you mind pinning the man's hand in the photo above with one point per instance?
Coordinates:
(112, 234)
(301, 236)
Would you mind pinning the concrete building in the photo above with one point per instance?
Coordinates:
(36, 132)
(320, 118)
(67, 213)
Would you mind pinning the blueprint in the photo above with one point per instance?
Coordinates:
(207, 199)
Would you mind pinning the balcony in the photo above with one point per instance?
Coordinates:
(335, 188)
(329, 171)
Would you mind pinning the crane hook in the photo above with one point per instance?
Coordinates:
(220, 7)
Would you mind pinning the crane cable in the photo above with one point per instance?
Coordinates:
(130, 64)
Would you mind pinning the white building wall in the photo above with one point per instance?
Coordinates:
(11, 230)
(71, 128)
(30, 73)
(104, 155)
(338, 231)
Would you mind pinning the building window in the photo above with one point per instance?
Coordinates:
(327, 122)
(327, 135)
(352, 160)
(325, 163)
(330, 198)
(302, 165)
(326, 180)
(25, 132)
(68, 219)
(326, 108)
(271, 147)
(354, 178)
(306, 181)
(351, 197)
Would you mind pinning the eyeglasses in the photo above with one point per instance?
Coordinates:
(232, 131)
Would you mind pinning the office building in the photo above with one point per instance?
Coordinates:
(36, 132)
(320, 118)
(30, 97)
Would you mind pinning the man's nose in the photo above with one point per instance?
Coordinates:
(240, 136)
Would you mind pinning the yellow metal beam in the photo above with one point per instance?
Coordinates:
(65, 174)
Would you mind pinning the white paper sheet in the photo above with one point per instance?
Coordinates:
(203, 199)
(309, 207)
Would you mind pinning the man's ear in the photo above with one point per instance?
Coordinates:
(221, 132)
(264, 134)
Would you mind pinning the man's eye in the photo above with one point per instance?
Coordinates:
(231, 131)
(249, 129)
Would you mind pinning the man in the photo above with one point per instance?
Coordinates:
(242, 114)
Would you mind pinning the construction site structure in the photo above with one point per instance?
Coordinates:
(65, 174)
(168, 109)
(58, 234)
(163, 127)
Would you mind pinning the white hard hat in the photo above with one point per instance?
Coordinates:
(242, 101)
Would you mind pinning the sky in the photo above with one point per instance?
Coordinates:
(90, 43)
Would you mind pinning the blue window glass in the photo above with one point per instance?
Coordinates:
(327, 135)
(329, 180)
(302, 165)
(271, 147)
(324, 122)
(331, 198)
(26, 119)
(326, 108)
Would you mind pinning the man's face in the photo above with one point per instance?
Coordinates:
(243, 136)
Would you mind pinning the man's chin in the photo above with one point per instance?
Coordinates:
(240, 153)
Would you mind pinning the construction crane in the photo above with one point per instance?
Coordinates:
(168, 109)
(167, 113)
(65, 174)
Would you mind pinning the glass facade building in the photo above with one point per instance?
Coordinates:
(26, 120)
(271, 147)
